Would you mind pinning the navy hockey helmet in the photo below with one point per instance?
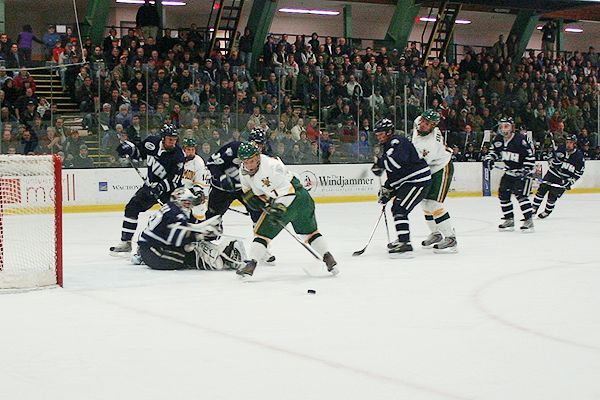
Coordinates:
(258, 135)
(384, 125)
(571, 137)
(502, 124)
(169, 130)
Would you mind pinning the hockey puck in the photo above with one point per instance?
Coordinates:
(311, 291)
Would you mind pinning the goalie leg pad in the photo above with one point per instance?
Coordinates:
(208, 256)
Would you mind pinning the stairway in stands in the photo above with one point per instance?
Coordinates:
(48, 85)
(223, 23)
(442, 31)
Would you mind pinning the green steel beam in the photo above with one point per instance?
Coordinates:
(259, 22)
(401, 24)
(95, 19)
(161, 15)
(560, 36)
(348, 23)
(523, 28)
(2, 16)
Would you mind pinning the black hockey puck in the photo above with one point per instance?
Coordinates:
(311, 291)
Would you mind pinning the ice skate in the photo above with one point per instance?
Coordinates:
(543, 214)
(121, 249)
(447, 245)
(136, 259)
(330, 263)
(527, 226)
(234, 255)
(433, 238)
(401, 250)
(269, 259)
(247, 270)
(507, 225)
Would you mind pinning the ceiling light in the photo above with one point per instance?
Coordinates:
(433, 19)
(539, 28)
(164, 3)
(574, 30)
(307, 11)
(502, 10)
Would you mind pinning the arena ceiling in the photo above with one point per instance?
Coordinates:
(585, 10)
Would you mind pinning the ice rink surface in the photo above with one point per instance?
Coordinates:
(512, 316)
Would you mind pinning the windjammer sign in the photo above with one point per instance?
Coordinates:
(334, 180)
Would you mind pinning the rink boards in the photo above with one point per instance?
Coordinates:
(108, 189)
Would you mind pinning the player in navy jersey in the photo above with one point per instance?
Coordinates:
(165, 161)
(516, 152)
(566, 167)
(167, 243)
(224, 166)
(408, 181)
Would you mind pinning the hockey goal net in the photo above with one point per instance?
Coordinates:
(30, 221)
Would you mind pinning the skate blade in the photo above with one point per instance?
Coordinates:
(448, 250)
(430, 246)
(334, 271)
(120, 254)
(506, 229)
(528, 230)
(405, 256)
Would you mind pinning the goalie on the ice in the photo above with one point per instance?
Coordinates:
(173, 238)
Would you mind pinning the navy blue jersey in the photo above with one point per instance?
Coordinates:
(403, 164)
(565, 166)
(160, 231)
(517, 153)
(225, 162)
(164, 167)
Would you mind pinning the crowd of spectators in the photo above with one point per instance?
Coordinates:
(317, 97)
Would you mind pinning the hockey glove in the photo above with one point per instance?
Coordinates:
(568, 183)
(252, 201)
(157, 189)
(277, 211)
(199, 193)
(376, 169)
(125, 149)
(227, 184)
(527, 173)
(385, 195)
(488, 163)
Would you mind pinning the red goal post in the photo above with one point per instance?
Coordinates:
(30, 221)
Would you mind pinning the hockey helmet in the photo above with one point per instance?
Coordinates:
(258, 135)
(184, 198)
(571, 137)
(189, 142)
(502, 124)
(169, 130)
(431, 116)
(247, 150)
(384, 125)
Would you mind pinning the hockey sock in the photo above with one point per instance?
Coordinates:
(128, 229)
(258, 249)
(549, 206)
(537, 201)
(507, 209)
(525, 205)
(402, 228)
(444, 225)
(319, 244)
(431, 224)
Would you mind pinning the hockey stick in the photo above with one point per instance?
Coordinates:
(142, 176)
(385, 219)
(238, 211)
(540, 180)
(360, 252)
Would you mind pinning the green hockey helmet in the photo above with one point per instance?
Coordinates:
(189, 142)
(431, 116)
(247, 150)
